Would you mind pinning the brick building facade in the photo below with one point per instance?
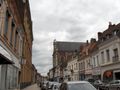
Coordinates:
(15, 44)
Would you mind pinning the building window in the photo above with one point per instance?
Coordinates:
(115, 52)
(102, 56)
(108, 55)
(7, 17)
(76, 65)
(98, 61)
(115, 32)
(79, 66)
(107, 36)
(1, 15)
(116, 56)
(94, 62)
(12, 29)
(16, 37)
(1, 1)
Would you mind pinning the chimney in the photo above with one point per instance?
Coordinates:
(87, 42)
(111, 25)
(99, 35)
(93, 40)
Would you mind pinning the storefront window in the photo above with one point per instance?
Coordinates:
(12, 75)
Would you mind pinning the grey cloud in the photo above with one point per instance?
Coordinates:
(76, 20)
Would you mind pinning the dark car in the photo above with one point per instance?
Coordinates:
(44, 85)
(113, 85)
(98, 83)
(91, 81)
(77, 85)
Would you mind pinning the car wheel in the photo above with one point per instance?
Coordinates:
(118, 88)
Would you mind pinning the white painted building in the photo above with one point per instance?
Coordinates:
(88, 68)
(96, 68)
(109, 52)
(73, 69)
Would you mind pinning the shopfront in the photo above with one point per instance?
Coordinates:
(111, 75)
(116, 74)
(111, 72)
(9, 69)
(108, 76)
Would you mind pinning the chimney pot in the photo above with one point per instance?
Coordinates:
(110, 23)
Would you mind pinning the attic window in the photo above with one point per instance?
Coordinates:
(103, 39)
(115, 32)
(108, 36)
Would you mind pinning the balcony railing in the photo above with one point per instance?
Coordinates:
(115, 58)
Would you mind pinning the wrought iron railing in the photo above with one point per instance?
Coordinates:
(115, 58)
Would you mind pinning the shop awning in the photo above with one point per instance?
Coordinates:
(5, 57)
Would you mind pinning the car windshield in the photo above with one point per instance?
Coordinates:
(82, 86)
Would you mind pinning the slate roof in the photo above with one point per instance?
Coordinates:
(68, 46)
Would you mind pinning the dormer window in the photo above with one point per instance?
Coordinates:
(103, 39)
(108, 36)
(115, 32)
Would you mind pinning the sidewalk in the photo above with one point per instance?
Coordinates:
(32, 87)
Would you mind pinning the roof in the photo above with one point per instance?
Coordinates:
(110, 30)
(68, 46)
(73, 82)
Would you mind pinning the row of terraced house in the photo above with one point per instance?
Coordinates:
(93, 59)
(16, 37)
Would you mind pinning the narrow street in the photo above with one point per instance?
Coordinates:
(59, 44)
(32, 87)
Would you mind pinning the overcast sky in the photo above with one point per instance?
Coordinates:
(68, 20)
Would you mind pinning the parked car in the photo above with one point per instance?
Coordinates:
(52, 85)
(98, 83)
(113, 85)
(56, 86)
(77, 85)
(44, 85)
(90, 81)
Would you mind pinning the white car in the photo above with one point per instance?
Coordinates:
(77, 85)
